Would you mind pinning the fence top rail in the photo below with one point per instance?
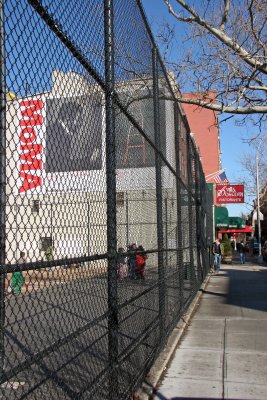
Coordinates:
(48, 264)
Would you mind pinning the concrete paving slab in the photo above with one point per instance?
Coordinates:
(255, 314)
(190, 388)
(245, 391)
(214, 299)
(218, 311)
(245, 325)
(210, 325)
(246, 342)
(219, 283)
(213, 294)
(248, 367)
(205, 340)
(196, 364)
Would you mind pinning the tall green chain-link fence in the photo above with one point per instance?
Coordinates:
(105, 215)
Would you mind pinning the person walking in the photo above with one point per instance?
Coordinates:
(17, 277)
(132, 260)
(121, 265)
(217, 252)
(241, 250)
(141, 258)
(49, 255)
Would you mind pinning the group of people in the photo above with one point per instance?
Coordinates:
(134, 267)
(217, 251)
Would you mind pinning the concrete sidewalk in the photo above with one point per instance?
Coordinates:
(223, 352)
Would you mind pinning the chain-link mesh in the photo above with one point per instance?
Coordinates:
(106, 221)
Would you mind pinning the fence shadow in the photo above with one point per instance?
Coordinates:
(247, 288)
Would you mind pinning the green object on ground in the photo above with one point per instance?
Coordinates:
(17, 282)
(226, 246)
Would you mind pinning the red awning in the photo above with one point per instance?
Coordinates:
(247, 229)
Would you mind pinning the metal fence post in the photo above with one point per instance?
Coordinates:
(111, 202)
(190, 212)
(199, 219)
(88, 227)
(166, 230)
(127, 220)
(2, 186)
(161, 267)
(179, 206)
(198, 224)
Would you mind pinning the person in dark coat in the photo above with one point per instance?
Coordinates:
(121, 264)
(141, 258)
(132, 260)
(217, 252)
(241, 249)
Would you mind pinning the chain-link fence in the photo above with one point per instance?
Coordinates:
(105, 214)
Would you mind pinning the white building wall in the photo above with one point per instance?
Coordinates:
(72, 205)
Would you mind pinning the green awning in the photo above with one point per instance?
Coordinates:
(221, 217)
(236, 223)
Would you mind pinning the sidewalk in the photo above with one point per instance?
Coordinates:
(223, 352)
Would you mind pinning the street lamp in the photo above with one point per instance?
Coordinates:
(260, 258)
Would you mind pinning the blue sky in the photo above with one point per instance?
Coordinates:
(232, 146)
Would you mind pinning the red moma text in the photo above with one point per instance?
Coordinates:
(30, 154)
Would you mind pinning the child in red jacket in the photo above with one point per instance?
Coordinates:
(141, 258)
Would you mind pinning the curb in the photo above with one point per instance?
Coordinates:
(152, 379)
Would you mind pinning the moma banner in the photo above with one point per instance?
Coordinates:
(60, 144)
(229, 194)
(58, 141)
(30, 145)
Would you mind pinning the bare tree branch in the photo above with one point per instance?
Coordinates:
(225, 53)
(222, 108)
(225, 14)
(225, 39)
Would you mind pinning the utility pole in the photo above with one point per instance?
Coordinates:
(260, 259)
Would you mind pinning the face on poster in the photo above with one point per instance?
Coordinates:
(74, 134)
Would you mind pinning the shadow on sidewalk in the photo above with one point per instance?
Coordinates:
(247, 284)
(247, 288)
(159, 396)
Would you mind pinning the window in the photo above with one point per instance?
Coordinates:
(36, 206)
(120, 199)
(46, 242)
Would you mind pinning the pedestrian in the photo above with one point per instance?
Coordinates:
(121, 264)
(17, 277)
(217, 252)
(141, 258)
(132, 260)
(49, 255)
(233, 243)
(264, 251)
(241, 250)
